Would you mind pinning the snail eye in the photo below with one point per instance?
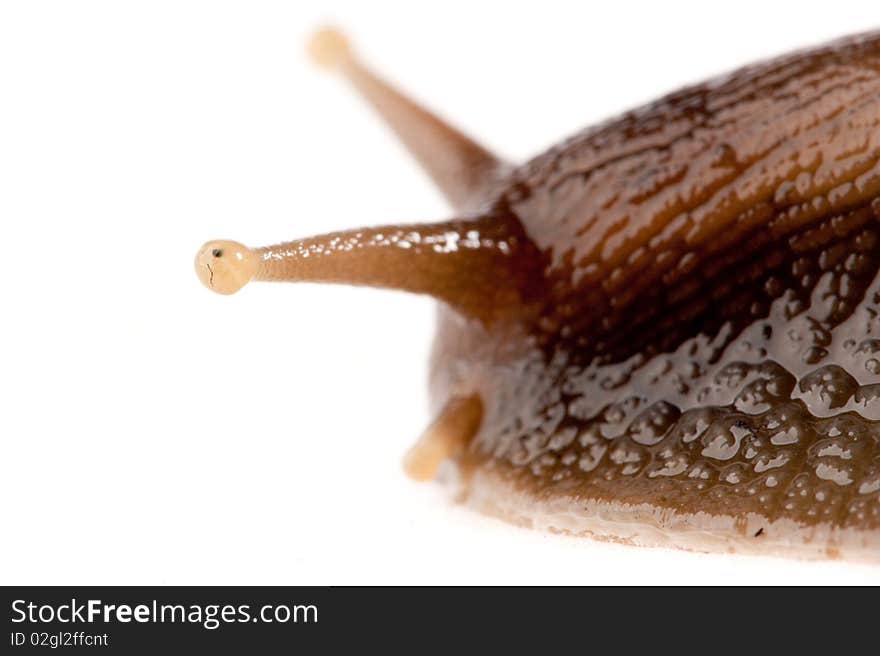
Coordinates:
(217, 252)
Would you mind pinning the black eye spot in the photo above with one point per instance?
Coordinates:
(216, 252)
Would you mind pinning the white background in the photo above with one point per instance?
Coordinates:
(153, 432)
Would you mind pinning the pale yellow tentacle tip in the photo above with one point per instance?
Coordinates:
(225, 266)
(328, 48)
(446, 437)
(420, 463)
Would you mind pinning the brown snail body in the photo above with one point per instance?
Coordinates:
(665, 330)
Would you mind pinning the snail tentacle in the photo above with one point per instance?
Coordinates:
(464, 170)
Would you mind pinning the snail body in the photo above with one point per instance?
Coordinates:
(663, 331)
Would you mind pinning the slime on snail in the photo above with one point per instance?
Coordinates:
(664, 330)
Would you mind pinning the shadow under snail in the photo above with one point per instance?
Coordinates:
(664, 330)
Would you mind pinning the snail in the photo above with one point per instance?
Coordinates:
(664, 330)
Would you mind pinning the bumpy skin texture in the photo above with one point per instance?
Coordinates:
(705, 339)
